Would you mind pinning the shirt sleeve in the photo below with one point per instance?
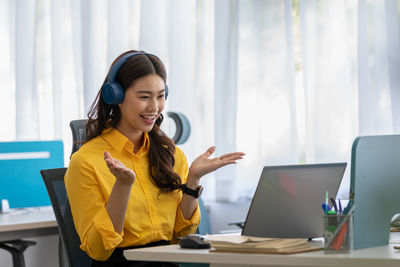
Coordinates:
(88, 207)
(183, 226)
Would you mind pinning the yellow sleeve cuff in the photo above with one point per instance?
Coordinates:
(184, 226)
(104, 226)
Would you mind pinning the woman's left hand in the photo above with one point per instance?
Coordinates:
(203, 165)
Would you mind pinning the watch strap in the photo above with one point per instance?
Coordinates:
(196, 193)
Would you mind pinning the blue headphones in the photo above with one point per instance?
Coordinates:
(111, 91)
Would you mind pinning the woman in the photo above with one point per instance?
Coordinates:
(129, 185)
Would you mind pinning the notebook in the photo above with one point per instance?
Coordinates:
(287, 201)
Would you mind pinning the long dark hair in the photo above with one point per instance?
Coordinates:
(162, 148)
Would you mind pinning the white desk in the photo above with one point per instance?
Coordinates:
(29, 222)
(384, 256)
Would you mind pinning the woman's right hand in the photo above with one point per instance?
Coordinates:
(123, 174)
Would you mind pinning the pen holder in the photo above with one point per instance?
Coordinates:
(338, 234)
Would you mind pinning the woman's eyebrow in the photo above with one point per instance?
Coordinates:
(149, 92)
(144, 92)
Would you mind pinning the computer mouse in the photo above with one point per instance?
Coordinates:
(194, 241)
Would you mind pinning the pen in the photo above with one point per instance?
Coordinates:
(349, 207)
(334, 204)
(326, 202)
(326, 208)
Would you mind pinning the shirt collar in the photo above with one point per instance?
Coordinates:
(120, 142)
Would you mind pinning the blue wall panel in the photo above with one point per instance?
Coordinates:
(20, 164)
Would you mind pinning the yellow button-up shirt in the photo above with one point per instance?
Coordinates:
(151, 216)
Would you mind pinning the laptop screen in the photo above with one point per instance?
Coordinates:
(287, 201)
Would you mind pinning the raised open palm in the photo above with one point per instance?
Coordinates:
(203, 164)
(119, 170)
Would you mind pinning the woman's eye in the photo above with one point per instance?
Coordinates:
(143, 97)
(161, 96)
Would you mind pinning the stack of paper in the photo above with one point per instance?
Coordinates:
(248, 244)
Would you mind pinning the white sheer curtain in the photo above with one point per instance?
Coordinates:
(226, 91)
(254, 90)
(351, 66)
(40, 74)
(379, 67)
(348, 86)
(284, 81)
(266, 110)
(329, 41)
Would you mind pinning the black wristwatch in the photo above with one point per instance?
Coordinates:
(196, 193)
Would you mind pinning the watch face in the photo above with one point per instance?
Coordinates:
(199, 191)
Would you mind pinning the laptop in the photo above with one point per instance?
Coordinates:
(287, 201)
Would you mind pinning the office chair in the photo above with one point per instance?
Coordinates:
(182, 126)
(78, 128)
(54, 181)
(17, 248)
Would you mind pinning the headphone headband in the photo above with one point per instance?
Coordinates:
(118, 64)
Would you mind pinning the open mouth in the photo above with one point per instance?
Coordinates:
(152, 117)
(149, 118)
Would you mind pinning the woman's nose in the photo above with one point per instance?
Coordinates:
(153, 105)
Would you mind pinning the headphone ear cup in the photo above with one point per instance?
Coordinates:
(112, 93)
(166, 92)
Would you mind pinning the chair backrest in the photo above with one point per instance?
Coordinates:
(54, 181)
(78, 128)
(182, 126)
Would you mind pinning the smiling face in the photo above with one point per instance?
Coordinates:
(143, 103)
